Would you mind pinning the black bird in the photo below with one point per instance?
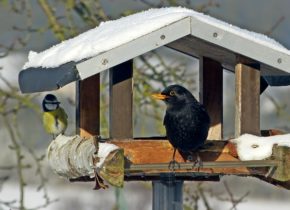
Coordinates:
(186, 120)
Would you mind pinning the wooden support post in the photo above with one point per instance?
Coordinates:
(211, 94)
(247, 117)
(88, 106)
(121, 100)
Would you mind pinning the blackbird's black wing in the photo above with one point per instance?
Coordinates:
(187, 128)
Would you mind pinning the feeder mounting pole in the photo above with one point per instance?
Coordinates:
(167, 193)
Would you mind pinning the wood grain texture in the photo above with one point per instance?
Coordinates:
(88, 106)
(121, 100)
(196, 47)
(152, 151)
(211, 94)
(282, 172)
(247, 116)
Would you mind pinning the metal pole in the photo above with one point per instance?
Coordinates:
(167, 193)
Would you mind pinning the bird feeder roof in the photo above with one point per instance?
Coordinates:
(185, 30)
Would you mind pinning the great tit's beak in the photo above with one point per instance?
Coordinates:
(159, 96)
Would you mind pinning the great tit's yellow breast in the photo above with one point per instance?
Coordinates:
(55, 122)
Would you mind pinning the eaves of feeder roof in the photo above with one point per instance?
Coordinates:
(185, 30)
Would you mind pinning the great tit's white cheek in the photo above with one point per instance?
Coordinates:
(51, 106)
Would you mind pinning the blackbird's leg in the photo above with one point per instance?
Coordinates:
(173, 156)
(172, 163)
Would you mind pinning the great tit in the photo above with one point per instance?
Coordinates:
(54, 117)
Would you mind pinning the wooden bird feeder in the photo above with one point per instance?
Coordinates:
(255, 65)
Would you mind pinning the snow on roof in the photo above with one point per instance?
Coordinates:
(111, 34)
(251, 147)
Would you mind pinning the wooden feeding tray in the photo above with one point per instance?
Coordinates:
(148, 159)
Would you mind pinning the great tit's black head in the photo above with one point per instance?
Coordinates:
(50, 103)
(175, 95)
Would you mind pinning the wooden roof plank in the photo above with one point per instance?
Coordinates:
(240, 44)
(190, 35)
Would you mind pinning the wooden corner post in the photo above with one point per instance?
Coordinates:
(88, 106)
(121, 100)
(247, 102)
(211, 94)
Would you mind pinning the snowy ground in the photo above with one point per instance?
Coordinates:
(75, 196)
(81, 196)
(250, 205)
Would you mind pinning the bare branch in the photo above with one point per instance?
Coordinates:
(19, 158)
(54, 24)
(150, 4)
(233, 200)
(203, 197)
(279, 107)
(275, 26)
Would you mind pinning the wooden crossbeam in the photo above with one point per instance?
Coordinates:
(209, 164)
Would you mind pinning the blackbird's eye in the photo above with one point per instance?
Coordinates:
(172, 93)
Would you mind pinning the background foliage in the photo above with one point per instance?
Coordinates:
(57, 20)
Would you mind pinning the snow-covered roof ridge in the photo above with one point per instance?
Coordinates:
(251, 147)
(258, 37)
(106, 36)
(111, 34)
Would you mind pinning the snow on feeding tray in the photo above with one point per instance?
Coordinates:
(111, 34)
(251, 147)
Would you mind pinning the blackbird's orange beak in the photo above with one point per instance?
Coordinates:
(159, 96)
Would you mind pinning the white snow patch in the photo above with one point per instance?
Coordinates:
(111, 34)
(104, 150)
(251, 147)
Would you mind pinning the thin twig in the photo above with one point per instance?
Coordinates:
(54, 24)
(234, 201)
(203, 197)
(19, 159)
(275, 26)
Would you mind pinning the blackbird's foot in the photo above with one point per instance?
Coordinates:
(197, 163)
(172, 165)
